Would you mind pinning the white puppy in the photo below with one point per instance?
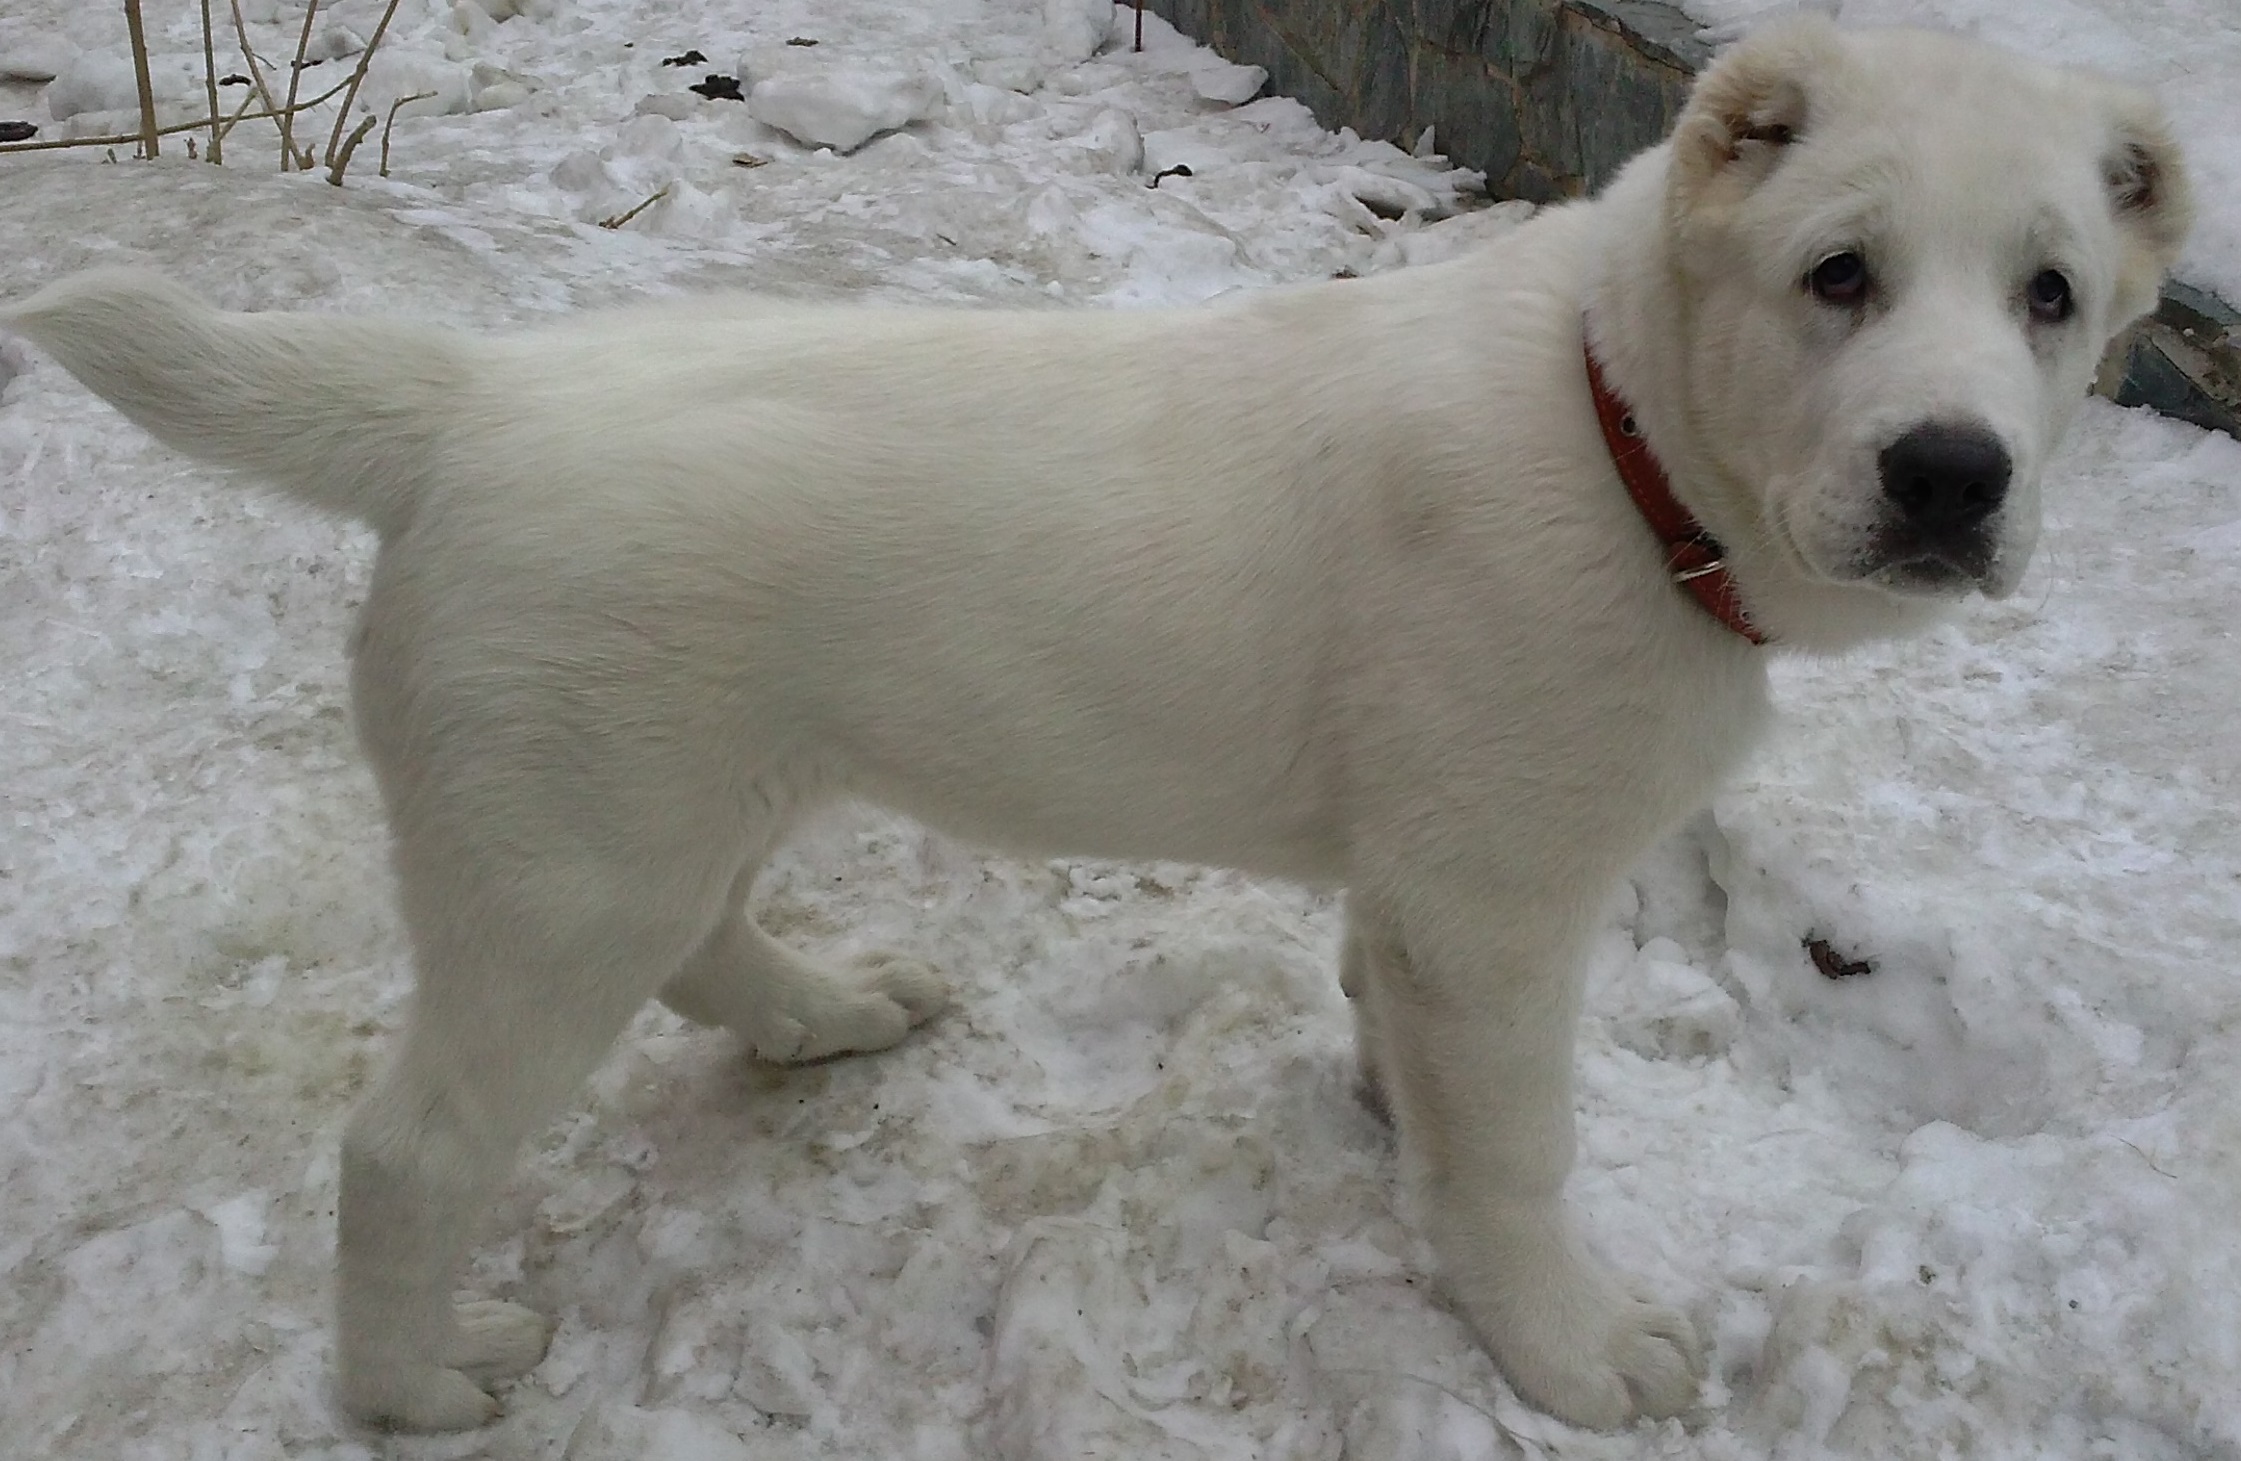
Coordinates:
(1340, 583)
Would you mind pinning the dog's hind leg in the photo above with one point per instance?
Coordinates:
(528, 968)
(788, 1007)
(1369, 961)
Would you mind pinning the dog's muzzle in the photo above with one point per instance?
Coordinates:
(1943, 485)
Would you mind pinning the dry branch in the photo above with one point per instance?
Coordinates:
(194, 125)
(357, 78)
(256, 73)
(350, 145)
(210, 84)
(620, 219)
(288, 160)
(385, 126)
(219, 123)
(148, 132)
(241, 113)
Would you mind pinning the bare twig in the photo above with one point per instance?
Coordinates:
(55, 145)
(350, 145)
(140, 74)
(196, 125)
(357, 78)
(385, 126)
(133, 141)
(219, 123)
(240, 113)
(245, 114)
(2150, 1161)
(288, 159)
(210, 84)
(256, 73)
(620, 219)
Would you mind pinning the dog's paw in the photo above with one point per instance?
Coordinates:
(493, 1341)
(418, 1398)
(1600, 1357)
(869, 1007)
(911, 984)
(498, 1340)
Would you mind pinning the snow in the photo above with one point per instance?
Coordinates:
(1122, 1202)
(35, 60)
(844, 107)
(95, 82)
(1231, 84)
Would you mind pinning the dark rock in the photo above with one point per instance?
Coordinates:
(718, 88)
(2184, 360)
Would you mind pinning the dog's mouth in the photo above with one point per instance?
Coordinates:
(1900, 563)
(1929, 577)
(1950, 570)
(1947, 564)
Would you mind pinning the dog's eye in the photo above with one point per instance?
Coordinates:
(1839, 279)
(2049, 297)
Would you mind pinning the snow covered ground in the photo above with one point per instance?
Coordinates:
(1121, 1203)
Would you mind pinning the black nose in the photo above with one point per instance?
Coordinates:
(1945, 479)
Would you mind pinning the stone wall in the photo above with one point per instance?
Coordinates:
(1546, 98)
(2184, 360)
(1549, 97)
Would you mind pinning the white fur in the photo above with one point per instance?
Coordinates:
(1333, 583)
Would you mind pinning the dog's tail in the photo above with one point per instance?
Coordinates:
(344, 413)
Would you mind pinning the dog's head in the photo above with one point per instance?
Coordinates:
(1901, 256)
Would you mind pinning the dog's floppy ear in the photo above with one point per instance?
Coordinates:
(1753, 102)
(2147, 186)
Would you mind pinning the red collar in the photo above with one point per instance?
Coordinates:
(1693, 556)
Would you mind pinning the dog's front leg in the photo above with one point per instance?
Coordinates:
(1471, 1006)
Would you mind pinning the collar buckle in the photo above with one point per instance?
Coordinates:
(1694, 558)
